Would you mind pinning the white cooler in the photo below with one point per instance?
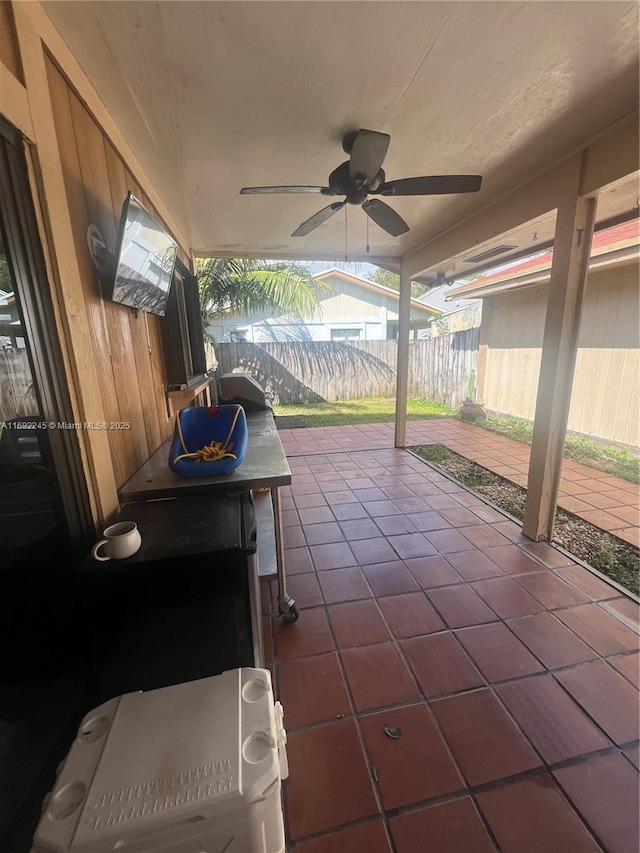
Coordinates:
(193, 768)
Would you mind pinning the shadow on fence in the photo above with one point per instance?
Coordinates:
(291, 372)
(279, 383)
(310, 372)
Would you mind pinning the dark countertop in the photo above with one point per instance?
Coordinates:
(264, 466)
(195, 524)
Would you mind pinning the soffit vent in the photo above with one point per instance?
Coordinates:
(490, 253)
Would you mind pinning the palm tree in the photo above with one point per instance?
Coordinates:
(247, 287)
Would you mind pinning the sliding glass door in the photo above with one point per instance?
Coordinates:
(44, 516)
(45, 523)
(32, 523)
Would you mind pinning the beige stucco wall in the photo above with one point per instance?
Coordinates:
(605, 398)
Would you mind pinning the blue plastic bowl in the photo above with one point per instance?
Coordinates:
(200, 426)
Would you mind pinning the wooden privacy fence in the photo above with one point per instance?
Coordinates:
(305, 372)
(17, 397)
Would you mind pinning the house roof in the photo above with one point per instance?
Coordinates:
(438, 297)
(377, 288)
(615, 244)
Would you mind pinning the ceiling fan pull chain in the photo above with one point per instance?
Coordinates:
(367, 235)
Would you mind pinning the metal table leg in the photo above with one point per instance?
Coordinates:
(256, 610)
(286, 605)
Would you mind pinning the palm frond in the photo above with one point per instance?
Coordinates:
(248, 287)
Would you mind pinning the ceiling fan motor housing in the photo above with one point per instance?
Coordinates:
(341, 182)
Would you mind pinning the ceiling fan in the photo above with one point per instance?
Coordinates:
(362, 175)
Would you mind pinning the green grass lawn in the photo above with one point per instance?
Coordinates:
(601, 455)
(368, 410)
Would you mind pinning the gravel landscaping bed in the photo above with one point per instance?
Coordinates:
(616, 559)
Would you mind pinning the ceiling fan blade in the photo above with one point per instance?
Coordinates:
(256, 190)
(432, 185)
(385, 217)
(318, 218)
(367, 153)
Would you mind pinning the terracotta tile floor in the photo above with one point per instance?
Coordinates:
(509, 673)
(605, 501)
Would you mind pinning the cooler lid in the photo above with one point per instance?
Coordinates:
(146, 761)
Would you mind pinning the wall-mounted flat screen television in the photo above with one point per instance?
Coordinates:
(145, 258)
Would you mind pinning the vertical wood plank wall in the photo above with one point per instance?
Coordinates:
(605, 397)
(127, 348)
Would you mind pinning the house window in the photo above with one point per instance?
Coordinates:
(238, 336)
(345, 334)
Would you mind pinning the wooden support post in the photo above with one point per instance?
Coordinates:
(572, 247)
(402, 369)
(484, 336)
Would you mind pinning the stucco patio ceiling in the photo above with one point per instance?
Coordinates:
(214, 96)
(616, 202)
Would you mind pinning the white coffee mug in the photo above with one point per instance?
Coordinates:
(120, 540)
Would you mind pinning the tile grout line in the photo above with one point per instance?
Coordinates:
(361, 739)
(423, 702)
(544, 766)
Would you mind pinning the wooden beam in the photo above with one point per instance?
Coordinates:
(574, 231)
(14, 103)
(402, 369)
(485, 332)
(384, 261)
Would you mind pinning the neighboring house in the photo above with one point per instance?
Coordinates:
(355, 310)
(604, 401)
(456, 315)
